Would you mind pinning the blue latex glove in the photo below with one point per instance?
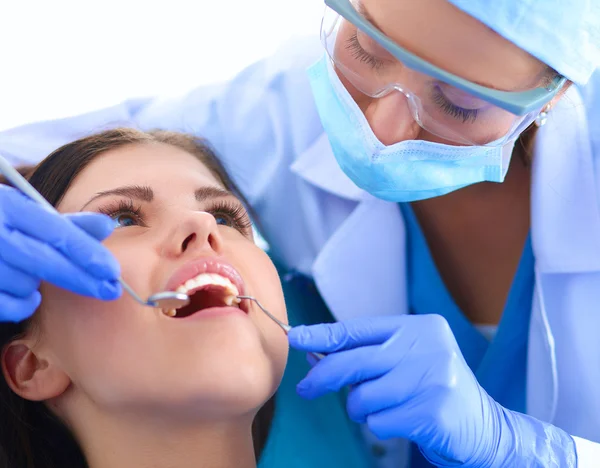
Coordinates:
(410, 380)
(36, 245)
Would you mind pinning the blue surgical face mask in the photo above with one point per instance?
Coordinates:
(406, 171)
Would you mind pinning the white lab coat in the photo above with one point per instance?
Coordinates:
(265, 126)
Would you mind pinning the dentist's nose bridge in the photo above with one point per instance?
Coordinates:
(191, 230)
(391, 118)
(391, 100)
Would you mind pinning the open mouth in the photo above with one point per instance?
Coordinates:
(206, 291)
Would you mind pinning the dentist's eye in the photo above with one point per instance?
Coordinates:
(360, 54)
(460, 112)
(124, 213)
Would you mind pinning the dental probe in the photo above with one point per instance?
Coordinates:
(284, 326)
(162, 300)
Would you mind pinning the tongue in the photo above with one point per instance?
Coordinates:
(205, 298)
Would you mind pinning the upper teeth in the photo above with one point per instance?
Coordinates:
(205, 279)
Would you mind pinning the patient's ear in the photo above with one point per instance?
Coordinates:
(29, 374)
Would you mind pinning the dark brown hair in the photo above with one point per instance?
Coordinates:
(30, 435)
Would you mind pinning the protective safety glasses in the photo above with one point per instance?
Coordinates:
(442, 103)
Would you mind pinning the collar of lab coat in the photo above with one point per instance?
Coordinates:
(365, 256)
(318, 166)
(565, 197)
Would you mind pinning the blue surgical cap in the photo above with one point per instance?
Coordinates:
(565, 34)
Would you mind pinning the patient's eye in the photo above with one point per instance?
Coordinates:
(231, 214)
(125, 214)
(223, 220)
(124, 220)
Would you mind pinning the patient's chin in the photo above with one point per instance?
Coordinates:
(215, 369)
(236, 390)
(236, 378)
(221, 390)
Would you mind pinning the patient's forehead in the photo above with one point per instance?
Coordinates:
(168, 170)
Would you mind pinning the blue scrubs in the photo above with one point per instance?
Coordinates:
(317, 433)
(500, 365)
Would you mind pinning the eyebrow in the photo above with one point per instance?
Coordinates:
(137, 192)
(360, 8)
(367, 16)
(210, 192)
(146, 194)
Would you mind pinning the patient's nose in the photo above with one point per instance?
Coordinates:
(197, 232)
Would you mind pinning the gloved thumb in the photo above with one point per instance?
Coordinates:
(97, 225)
(350, 334)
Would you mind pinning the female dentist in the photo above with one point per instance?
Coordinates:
(461, 262)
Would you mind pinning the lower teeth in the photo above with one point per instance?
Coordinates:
(229, 301)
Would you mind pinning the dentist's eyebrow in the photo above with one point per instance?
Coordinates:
(360, 8)
(137, 192)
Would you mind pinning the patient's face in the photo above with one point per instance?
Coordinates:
(121, 355)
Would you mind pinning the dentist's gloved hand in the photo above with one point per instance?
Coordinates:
(36, 245)
(410, 380)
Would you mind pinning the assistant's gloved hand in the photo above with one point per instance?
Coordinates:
(410, 380)
(36, 245)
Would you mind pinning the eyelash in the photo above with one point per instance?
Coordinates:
(360, 54)
(353, 45)
(124, 207)
(235, 213)
(452, 109)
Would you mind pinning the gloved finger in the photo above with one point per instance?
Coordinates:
(92, 223)
(15, 309)
(17, 283)
(388, 391)
(406, 421)
(312, 359)
(329, 338)
(37, 258)
(83, 250)
(344, 368)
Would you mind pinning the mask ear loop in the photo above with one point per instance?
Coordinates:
(542, 117)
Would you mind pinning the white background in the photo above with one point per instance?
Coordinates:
(63, 57)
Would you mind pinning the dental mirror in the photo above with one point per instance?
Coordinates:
(165, 300)
(162, 300)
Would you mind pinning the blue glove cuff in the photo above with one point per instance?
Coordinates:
(538, 444)
(517, 440)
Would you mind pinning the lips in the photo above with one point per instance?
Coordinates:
(211, 283)
(206, 265)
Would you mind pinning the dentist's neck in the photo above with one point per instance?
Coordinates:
(126, 442)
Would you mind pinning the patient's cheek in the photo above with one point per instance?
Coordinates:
(280, 360)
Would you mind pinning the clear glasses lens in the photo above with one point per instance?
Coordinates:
(439, 108)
